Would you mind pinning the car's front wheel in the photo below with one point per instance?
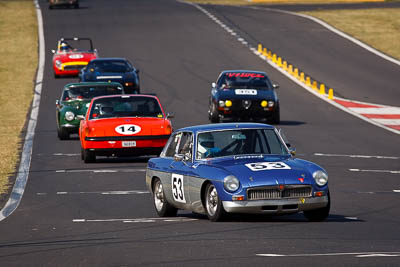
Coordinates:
(89, 156)
(62, 134)
(320, 214)
(214, 116)
(163, 208)
(276, 117)
(215, 210)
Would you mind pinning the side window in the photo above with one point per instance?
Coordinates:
(186, 144)
(173, 145)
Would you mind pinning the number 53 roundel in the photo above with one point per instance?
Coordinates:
(178, 192)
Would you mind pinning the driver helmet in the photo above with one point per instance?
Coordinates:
(65, 47)
(230, 82)
(205, 143)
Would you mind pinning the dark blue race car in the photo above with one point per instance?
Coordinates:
(244, 95)
(225, 168)
(112, 70)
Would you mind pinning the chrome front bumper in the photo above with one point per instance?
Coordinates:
(276, 206)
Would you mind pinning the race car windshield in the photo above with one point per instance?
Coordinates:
(125, 107)
(89, 92)
(244, 81)
(239, 142)
(111, 66)
(80, 45)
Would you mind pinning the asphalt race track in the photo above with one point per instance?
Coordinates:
(76, 214)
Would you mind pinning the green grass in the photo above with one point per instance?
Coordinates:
(19, 56)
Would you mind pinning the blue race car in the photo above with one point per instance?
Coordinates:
(225, 168)
(112, 70)
(244, 95)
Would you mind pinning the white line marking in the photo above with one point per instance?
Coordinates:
(67, 155)
(378, 255)
(373, 254)
(351, 218)
(131, 192)
(137, 220)
(355, 156)
(379, 171)
(101, 170)
(396, 191)
(23, 170)
(387, 121)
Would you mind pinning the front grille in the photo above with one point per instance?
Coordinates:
(74, 67)
(273, 192)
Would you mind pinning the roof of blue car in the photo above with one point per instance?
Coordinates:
(244, 71)
(226, 126)
(110, 59)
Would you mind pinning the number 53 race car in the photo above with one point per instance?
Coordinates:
(235, 168)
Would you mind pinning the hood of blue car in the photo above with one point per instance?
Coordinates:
(251, 93)
(266, 170)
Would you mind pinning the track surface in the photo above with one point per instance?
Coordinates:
(180, 52)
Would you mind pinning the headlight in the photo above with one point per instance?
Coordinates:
(69, 115)
(221, 103)
(271, 104)
(264, 103)
(58, 64)
(231, 183)
(320, 177)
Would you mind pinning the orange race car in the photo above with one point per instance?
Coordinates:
(124, 125)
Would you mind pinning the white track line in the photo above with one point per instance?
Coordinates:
(23, 170)
(355, 156)
(295, 80)
(356, 254)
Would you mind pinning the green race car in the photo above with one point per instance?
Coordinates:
(74, 102)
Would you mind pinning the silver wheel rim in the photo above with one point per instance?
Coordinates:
(158, 196)
(212, 200)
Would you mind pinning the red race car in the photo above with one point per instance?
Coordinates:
(124, 125)
(72, 55)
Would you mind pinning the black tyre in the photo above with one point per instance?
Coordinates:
(318, 215)
(214, 116)
(89, 156)
(163, 208)
(62, 134)
(82, 158)
(56, 76)
(76, 6)
(276, 117)
(213, 204)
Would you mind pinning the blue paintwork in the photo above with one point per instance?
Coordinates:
(216, 169)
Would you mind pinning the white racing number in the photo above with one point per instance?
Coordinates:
(127, 129)
(178, 192)
(265, 166)
(246, 92)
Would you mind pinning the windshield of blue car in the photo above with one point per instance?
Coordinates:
(239, 142)
(89, 92)
(110, 66)
(244, 81)
(125, 106)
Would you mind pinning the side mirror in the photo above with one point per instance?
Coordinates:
(170, 115)
(275, 86)
(292, 151)
(57, 102)
(213, 85)
(137, 71)
(80, 117)
(179, 157)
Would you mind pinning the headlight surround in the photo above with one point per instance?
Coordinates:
(69, 116)
(320, 177)
(58, 64)
(221, 103)
(231, 183)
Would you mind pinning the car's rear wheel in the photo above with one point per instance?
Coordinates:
(62, 134)
(163, 208)
(214, 116)
(215, 210)
(89, 156)
(320, 214)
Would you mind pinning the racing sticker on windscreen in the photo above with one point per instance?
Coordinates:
(246, 92)
(128, 129)
(178, 192)
(265, 166)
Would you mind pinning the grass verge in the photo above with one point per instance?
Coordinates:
(379, 27)
(19, 57)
